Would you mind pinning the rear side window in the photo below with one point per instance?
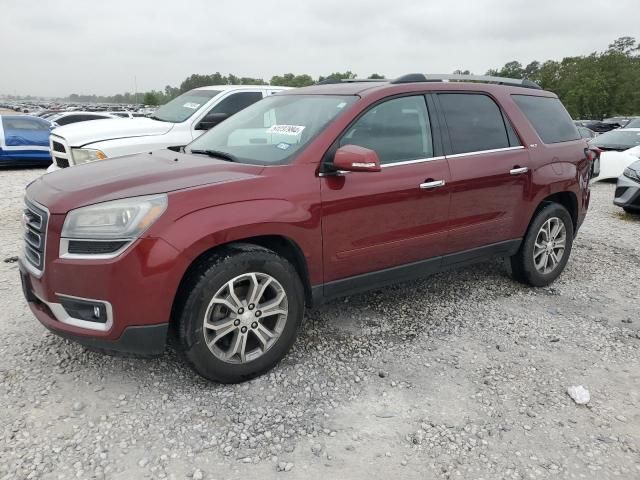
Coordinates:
(475, 123)
(549, 118)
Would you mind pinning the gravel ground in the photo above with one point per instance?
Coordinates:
(463, 375)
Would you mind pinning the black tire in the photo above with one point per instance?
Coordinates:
(211, 274)
(522, 265)
(631, 211)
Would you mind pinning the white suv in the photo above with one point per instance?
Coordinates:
(174, 124)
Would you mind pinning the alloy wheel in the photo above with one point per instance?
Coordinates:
(245, 317)
(550, 245)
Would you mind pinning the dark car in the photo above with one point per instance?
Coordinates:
(306, 195)
(24, 141)
(601, 127)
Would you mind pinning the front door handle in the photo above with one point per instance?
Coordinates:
(518, 170)
(431, 184)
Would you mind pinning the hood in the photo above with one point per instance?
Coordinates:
(82, 133)
(131, 176)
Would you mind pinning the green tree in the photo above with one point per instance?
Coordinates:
(291, 80)
(348, 75)
(376, 76)
(150, 98)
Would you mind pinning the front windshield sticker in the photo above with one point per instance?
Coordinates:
(283, 145)
(191, 105)
(286, 129)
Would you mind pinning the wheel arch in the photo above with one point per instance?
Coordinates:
(567, 199)
(279, 244)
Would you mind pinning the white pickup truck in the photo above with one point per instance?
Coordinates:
(174, 124)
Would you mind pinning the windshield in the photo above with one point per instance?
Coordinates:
(622, 137)
(182, 107)
(272, 130)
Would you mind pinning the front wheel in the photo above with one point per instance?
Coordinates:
(546, 247)
(240, 313)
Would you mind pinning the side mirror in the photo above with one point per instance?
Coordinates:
(211, 120)
(352, 158)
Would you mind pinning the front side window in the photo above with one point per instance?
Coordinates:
(397, 130)
(549, 118)
(184, 106)
(272, 131)
(236, 102)
(475, 123)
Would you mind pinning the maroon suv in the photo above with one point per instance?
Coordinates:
(310, 194)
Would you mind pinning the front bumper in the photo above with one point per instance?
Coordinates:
(627, 193)
(137, 288)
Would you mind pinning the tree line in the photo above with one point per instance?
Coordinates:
(590, 86)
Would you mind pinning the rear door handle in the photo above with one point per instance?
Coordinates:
(431, 184)
(518, 170)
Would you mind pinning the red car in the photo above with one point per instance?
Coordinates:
(309, 194)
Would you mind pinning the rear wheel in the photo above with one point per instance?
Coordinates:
(240, 313)
(546, 247)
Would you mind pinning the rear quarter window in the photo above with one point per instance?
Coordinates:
(549, 118)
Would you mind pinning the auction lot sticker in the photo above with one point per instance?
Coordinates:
(286, 129)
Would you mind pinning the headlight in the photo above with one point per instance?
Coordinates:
(85, 155)
(119, 219)
(632, 174)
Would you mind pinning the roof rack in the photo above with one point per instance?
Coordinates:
(329, 80)
(420, 77)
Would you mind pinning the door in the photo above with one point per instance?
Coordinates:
(374, 221)
(26, 138)
(490, 177)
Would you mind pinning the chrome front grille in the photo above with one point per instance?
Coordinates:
(35, 220)
(60, 152)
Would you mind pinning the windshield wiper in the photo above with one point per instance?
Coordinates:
(217, 154)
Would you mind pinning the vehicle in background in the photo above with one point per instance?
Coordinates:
(617, 140)
(174, 125)
(621, 122)
(24, 141)
(47, 113)
(633, 123)
(600, 127)
(586, 132)
(314, 193)
(627, 193)
(125, 114)
(61, 119)
(611, 164)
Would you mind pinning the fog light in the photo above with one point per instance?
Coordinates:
(88, 310)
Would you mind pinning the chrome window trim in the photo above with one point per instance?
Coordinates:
(410, 162)
(480, 152)
(64, 249)
(63, 317)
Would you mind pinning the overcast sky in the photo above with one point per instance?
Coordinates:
(58, 47)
